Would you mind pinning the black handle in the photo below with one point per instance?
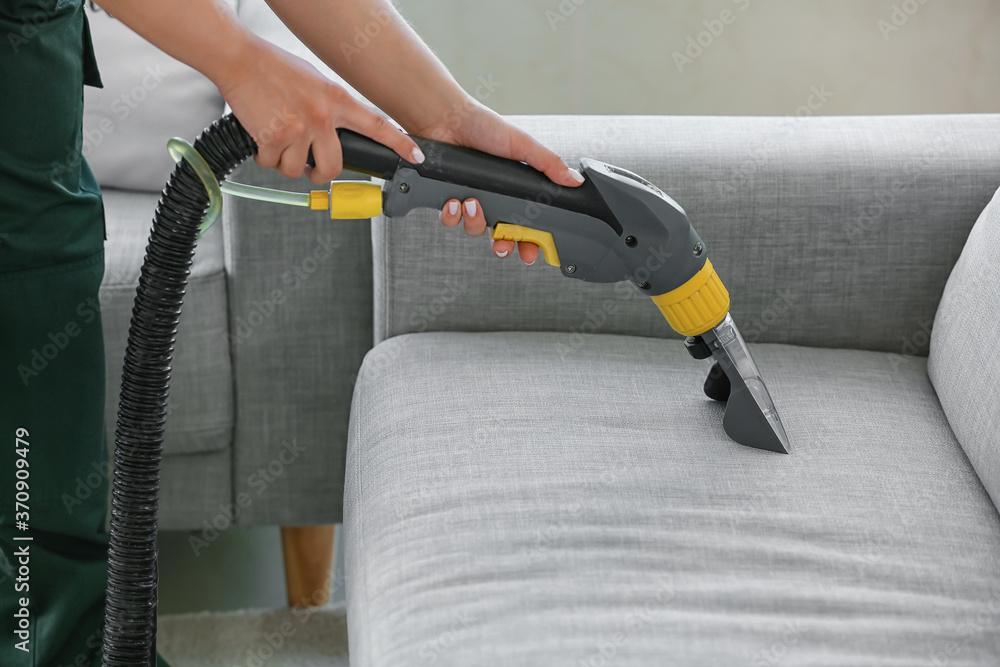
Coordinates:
(364, 155)
(470, 168)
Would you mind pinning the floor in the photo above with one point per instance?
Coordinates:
(254, 638)
(241, 569)
(224, 604)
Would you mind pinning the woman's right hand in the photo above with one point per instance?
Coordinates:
(288, 106)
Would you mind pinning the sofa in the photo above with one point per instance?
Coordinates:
(534, 476)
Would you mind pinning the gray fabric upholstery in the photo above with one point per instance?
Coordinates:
(294, 361)
(294, 372)
(195, 488)
(509, 505)
(964, 363)
(200, 406)
(828, 231)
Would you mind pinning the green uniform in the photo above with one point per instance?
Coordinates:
(52, 386)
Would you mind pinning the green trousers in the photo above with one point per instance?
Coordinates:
(53, 445)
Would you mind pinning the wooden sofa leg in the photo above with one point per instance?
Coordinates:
(308, 552)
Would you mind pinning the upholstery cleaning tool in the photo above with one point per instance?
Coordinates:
(616, 226)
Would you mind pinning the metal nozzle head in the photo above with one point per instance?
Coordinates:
(750, 418)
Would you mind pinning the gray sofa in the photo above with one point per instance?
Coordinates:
(534, 476)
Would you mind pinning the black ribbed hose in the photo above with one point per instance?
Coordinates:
(130, 609)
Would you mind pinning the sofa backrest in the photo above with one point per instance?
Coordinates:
(964, 363)
(827, 231)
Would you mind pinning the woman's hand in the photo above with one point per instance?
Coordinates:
(485, 130)
(287, 106)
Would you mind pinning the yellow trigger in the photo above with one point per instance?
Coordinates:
(504, 231)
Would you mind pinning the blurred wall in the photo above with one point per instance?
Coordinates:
(756, 57)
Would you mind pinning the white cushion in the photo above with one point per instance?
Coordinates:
(148, 97)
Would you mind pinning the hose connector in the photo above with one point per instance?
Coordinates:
(348, 200)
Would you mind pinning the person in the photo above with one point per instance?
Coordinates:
(52, 234)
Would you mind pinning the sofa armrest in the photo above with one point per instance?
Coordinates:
(299, 290)
(300, 296)
(827, 231)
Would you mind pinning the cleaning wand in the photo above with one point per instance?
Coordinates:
(616, 226)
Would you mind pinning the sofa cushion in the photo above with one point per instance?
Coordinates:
(544, 498)
(964, 363)
(200, 406)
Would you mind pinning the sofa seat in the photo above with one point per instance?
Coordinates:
(556, 499)
(197, 466)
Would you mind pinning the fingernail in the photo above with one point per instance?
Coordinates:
(577, 176)
(470, 208)
(453, 207)
(418, 155)
(532, 261)
(503, 254)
